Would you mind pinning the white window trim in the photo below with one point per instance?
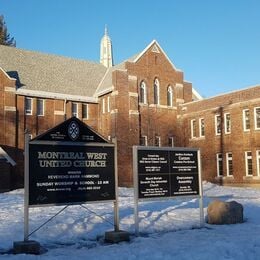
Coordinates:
(159, 139)
(258, 162)
(227, 163)
(172, 141)
(200, 132)
(225, 123)
(219, 160)
(158, 91)
(244, 120)
(191, 128)
(43, 107)
(170, 92)
(256, 128)
(87, 111)
(143, 86)
(145, 140)
(216, 124)
(103, 106)
(108, 104)
(28, 113)
(246, 160)
(77, 109)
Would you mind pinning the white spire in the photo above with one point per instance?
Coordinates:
(106, 55)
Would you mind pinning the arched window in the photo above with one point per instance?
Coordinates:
(169, 96)
(143, 98)
(156, 89)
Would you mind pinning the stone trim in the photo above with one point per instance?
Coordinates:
(59, 113)
(114, 93)
(114, 111)
(10, 89)
(133, 112)
(133, 94)
(10, 108)
(132, 77)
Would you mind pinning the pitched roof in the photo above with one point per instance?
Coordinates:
(51, 73)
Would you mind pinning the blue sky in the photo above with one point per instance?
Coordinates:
(216, 43)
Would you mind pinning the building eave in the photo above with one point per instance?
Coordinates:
(53, 95)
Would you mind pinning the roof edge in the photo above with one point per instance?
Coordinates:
(13, 79)
(148, 46)
(45, 94)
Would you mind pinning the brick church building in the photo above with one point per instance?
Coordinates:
(144, 100)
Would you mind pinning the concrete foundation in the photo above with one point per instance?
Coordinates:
(26, 247)
(116, 236)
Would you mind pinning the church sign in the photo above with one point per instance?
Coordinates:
(70, 164)
(164, 172)
(167, 172)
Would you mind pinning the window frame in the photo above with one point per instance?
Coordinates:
(103, 106)
(255, 118)
(83, 111)
(156, 89)
(169, 96)
(247, 158)
(77, 109)
(226, 123)
(108, 104)
(142, 93)
(145, 140)
(193, 128)
(218, 159)
(43, 107)
(258, 162)
(157, 138)
(245, 121)
(170, 141)
(200, 127)
(228, 160)
(27, 111)
(218, 126)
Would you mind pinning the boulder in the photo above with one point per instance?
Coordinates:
(220, 212)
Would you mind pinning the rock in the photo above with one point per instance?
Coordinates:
(220, 212)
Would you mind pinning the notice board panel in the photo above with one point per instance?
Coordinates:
(70, 174)
(166, 172)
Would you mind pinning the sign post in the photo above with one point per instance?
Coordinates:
(166, 173)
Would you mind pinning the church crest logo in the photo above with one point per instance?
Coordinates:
(73, 131)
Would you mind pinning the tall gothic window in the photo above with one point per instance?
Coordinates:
(143, 98)
(169, 96)
(156, 92)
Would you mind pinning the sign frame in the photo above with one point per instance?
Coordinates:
(95, 140)
(158, 198)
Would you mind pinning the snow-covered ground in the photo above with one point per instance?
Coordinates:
(169, 229)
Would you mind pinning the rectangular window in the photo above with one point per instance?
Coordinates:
(193, 128)
(227, 121)
(219, 164)
(246, 120)
(202, 127)
(257, 118)
(229, 164)
(108, 104)
(103, 106)
(249, 163)
(40, 107)
(157, 141)
(28, 106)
(74, 109)
(258, 162)
(171, 141)
(143, 140)
(217, 124)
(85, 111)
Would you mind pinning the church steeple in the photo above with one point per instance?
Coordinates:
(106, 55)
